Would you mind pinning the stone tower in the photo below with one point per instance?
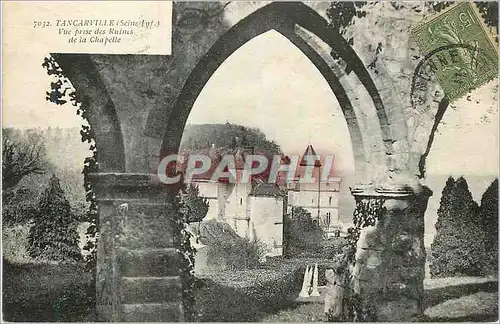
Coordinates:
(318, 196)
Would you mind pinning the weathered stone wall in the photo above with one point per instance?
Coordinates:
(266, 222)
(382, 40)
(390, 259)
(137, 262)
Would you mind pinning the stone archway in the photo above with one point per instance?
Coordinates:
(289, 19)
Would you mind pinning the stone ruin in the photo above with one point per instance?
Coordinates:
(138, 106)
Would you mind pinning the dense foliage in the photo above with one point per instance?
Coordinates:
(488, 215)
(237, 254)
(197, 206)
(182, 240)
(250, 295)
(53, 235)
(458, 248)
(16, 209)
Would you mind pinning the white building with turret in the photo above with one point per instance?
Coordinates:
(320, 198)
(253, 209)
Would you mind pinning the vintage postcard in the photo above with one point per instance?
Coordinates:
(249, 161)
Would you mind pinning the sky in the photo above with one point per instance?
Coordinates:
(281, 92)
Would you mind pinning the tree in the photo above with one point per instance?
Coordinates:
(457, 249)
(19, 205)
(19, 159)
(489, 219)
(54, 234)
(303, 219)
(197, 206)
(300, 233)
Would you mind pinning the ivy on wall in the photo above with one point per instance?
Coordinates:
(62, 92)
(368, 211)
(182, 240)
(341, 14)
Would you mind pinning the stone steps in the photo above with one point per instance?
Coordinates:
(152, 312)
(150, 285)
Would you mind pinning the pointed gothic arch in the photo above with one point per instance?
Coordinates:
(284, 17)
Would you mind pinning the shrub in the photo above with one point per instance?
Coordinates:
(334, 247)
(457, 249)
(240, 253)
(53, 234)
(489, 219)
(15, 242)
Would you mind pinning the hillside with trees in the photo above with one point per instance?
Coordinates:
(201, 137)
(31, 157)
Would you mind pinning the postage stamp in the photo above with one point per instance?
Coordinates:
(464, 55)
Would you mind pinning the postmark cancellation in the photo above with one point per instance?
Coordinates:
(458, 49)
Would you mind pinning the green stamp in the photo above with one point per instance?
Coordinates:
(458, 49)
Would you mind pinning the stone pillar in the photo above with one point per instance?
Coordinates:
(390, 259)
(137, 264)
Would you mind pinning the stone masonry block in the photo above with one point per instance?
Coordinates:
(148, 262)
(150, 289)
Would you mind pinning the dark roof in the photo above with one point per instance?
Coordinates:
(210, 232)
(310, 152)
(266, 189)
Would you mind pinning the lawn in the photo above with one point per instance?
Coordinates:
(51, 292)
(47, 293)
(456, 299)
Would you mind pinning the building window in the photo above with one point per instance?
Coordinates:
(241, 201)
(312, 201)
(330, 200)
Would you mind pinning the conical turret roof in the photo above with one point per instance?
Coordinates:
(310, 157)
(239, 159)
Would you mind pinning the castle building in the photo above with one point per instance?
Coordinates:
(319, 197)
(254, 209)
